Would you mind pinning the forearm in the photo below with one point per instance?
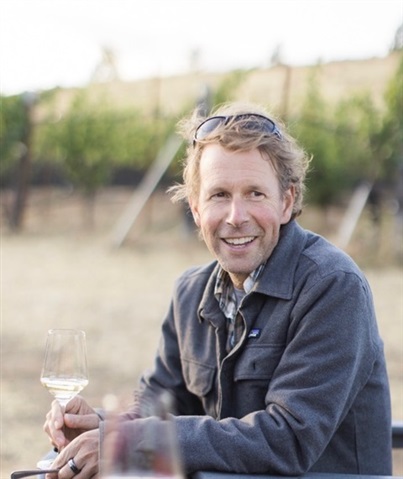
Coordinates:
(248, 445)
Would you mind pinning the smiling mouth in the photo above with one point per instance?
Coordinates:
(239, 241)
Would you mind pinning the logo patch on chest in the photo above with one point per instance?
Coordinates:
(254, 333)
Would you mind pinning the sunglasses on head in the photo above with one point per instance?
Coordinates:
(249, 121)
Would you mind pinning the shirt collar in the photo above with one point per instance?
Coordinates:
(224, 289)
(223, 280)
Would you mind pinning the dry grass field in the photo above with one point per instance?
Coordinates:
(58, 273)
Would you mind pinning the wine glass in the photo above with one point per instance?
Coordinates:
(65, 373)
(143, 448)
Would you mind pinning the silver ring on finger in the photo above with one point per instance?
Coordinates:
(73, 466)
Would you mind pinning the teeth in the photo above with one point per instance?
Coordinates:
(239, 241)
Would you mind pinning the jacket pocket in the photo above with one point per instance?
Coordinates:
(199, 378)
(258, 362)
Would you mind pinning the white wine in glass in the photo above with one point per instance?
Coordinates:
(65, 372)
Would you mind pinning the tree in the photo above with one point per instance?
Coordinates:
(84, 142)
(15, 144)
(92, 139)
(391, 135)
(314, 129)
(357, 129)
(12, 124)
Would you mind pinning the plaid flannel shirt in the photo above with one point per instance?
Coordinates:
(227, 299)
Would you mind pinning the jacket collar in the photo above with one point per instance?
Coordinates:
(209, 307)
(276, 279)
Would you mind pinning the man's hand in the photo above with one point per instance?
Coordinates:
(62, 426)
(84, 450)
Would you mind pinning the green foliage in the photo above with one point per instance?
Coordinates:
(139, 139)
(12, 129)
(315, 131)
(350, 142)
(83, 141)
(92, 139)
(391, 134)
(357, 127)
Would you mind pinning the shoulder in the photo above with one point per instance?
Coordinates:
(306, 258)
(326, 258)
(327, 273)
(320, 264)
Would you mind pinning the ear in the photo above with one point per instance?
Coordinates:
(288, 204)
(195, 212)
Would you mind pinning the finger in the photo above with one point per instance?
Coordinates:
(78, 405)
(74, 405)
(84, 452)
(52, 416)
(76, 469)
(57, 410)
(61, 463)
(55, 416)
(52, 476)
(86, 422)
(66, 473)
(54, 425)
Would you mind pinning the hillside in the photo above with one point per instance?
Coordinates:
(281, 88)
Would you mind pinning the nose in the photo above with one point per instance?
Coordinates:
(237, 213)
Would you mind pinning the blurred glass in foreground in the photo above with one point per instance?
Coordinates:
(144, 447)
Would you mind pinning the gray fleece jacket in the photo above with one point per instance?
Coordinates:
(305, 389)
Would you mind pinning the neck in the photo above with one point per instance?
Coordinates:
(238, 280)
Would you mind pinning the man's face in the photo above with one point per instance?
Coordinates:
(239, 209)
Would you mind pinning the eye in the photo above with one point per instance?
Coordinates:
(220, 194)
(257, 194)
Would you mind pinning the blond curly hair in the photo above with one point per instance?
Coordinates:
(289, 160)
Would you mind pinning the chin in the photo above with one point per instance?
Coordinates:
(244, 270)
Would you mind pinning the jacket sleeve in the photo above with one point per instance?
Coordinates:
(166, 375)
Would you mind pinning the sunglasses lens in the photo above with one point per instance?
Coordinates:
(253, 123)
(248, 121)
(208, 126)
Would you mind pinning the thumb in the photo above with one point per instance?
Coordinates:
(86, 421)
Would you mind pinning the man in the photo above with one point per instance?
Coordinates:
(272, 351)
